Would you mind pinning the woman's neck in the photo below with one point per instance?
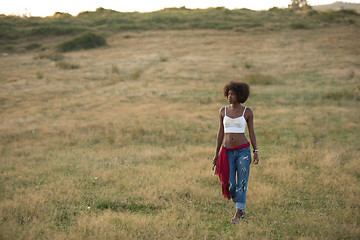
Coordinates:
(235, 105)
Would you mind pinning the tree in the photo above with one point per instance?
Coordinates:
(299, 5)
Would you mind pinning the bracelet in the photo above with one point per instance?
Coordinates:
(255, 151)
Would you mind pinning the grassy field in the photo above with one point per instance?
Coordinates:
(117, 142)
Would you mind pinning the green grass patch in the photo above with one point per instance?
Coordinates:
(164, 59)
(53, 56)
(130, 206)
(55, 30)
(39, 75)
(32, 46)
(343, 95)
(135, 75)
(259, 79)
(299, 25)
(85, 41)
(115, 69)
(67, 66)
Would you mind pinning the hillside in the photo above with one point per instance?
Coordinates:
(22, 34)
(337, 6)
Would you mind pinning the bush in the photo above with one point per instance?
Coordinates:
(348, 12)
(32, 46)
(85, 41)
(62, 15)
(313, 13)
(298, 26)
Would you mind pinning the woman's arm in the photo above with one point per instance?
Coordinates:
(250, 123)
(220, 137)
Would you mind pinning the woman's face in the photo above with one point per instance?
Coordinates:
(232, 97)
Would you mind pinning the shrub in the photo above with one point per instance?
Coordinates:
(313, 13)
(298, 26)
(62, 15)
(275, 9)
(348, 12)
(85, 41)
(32, 46)
(247, 65)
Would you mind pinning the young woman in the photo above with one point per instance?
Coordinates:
(233, 163)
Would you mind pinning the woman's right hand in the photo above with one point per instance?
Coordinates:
(256, 158)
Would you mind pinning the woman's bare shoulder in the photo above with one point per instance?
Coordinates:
(222, 111)
(248, 112)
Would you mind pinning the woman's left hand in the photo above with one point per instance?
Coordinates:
(256, 158)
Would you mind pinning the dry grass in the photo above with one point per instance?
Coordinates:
(121, 147)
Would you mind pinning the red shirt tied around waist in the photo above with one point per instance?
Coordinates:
(223, 169)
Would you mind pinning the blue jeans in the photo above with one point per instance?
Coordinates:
(239, 163)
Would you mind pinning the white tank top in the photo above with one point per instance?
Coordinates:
(234, 125)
